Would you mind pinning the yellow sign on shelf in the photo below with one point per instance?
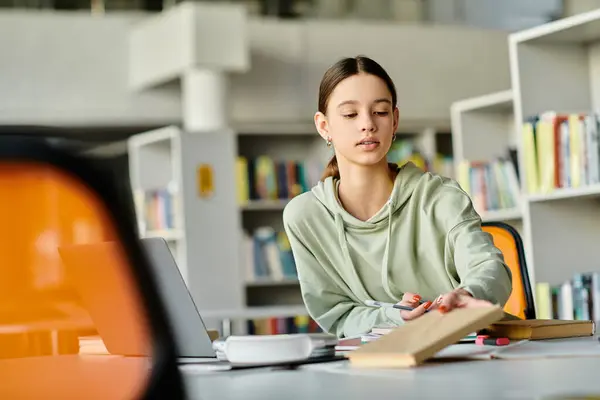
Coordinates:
(206, 182)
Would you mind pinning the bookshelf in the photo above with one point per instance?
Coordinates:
(273, 166)
(555, 74)
(484, 138)
(555, 70)
(156, 184)
(549, 119)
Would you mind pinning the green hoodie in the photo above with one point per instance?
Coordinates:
(427, 239)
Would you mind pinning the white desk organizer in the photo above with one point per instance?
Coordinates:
(274, 349)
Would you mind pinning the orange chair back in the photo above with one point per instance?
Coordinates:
(508, 240)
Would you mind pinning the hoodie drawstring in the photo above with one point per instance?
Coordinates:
(384, 267)
(339, 223)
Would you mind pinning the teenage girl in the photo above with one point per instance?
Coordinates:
(370, 230)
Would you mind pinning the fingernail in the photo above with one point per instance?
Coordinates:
(443, 309)
(427, 305)
(416, 298)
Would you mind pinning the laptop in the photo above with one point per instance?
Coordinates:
(102, 286)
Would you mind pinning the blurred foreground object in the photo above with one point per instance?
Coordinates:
(50, 201)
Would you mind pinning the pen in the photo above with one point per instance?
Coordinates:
(374, 303)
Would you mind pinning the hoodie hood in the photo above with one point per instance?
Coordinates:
(406, 180)
(327, 194)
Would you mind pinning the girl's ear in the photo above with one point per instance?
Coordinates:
(322, 125)
(396, 118)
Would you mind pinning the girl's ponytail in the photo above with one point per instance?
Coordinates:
(331, 169)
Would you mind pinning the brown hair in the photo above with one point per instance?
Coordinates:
(339, 71)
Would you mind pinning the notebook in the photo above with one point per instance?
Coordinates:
(416, 341)
(377, 333)
(551, 348)
(524, 350)
(535, 329)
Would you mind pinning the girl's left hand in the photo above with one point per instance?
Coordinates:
(458, 298)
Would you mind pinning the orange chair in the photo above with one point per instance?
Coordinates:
(51, 199)
(507, 239)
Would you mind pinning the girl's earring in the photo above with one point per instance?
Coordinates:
(393, 137)
(328, 142)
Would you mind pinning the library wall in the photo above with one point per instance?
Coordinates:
(429, 73)
(81, 57)
(70, 69)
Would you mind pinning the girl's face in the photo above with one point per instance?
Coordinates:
(360, 121)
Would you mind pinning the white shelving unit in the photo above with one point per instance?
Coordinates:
(555, 71)
(512, 216)
(483, 130)
(482, 127)
(556, 68)
(155, 173)
(196, 225)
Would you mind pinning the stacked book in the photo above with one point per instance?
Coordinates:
(377, 333)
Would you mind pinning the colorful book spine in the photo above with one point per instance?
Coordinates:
(265, 178)
(403, 151)
(560, 151)
(575, 299)
(492, 185)
(268, 255)
(156, 209)
(277, 326)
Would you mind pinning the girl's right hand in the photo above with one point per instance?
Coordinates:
(412, 300)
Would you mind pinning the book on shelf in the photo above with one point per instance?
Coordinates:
(265, 178)
(403, 151)
(575, 299)
(287, 325)
(156, 209)
(560, 151)
(268, 255)
(492, 185)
